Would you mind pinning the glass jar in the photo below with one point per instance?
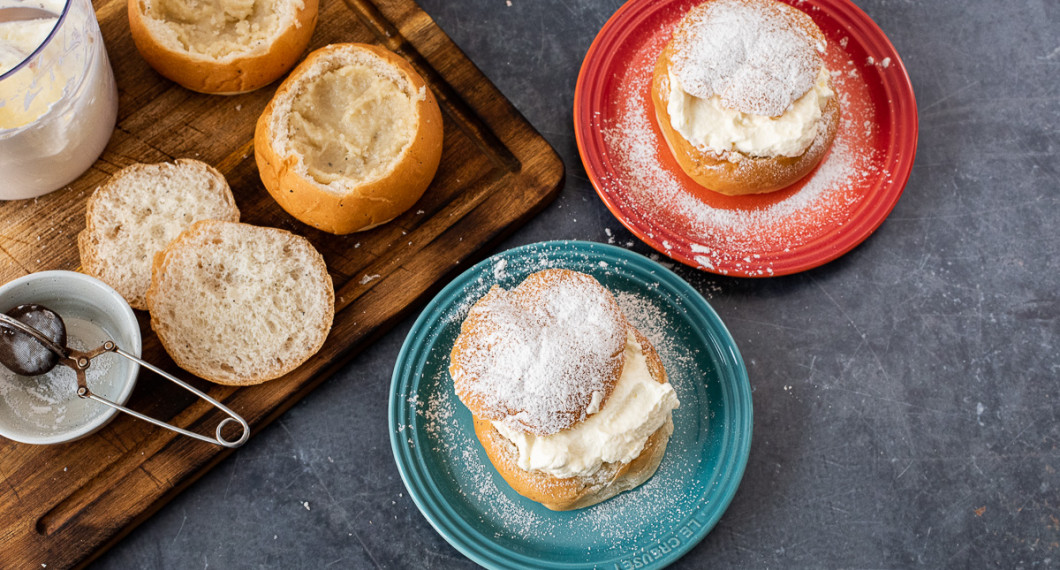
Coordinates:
(59, 104)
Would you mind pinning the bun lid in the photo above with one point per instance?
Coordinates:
(535, 356)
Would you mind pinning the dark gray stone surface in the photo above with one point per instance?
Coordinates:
(905, 395)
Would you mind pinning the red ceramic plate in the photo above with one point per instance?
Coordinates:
(806, 225)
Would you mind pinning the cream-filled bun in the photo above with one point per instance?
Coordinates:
(570, 402)
(742, 96)
(351, 139)
(223, 47)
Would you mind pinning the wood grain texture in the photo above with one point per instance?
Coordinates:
(67, 503)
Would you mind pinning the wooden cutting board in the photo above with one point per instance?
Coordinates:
(62, 505)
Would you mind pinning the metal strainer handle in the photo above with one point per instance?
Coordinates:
(80, 361)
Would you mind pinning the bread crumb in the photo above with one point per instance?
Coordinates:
(305, 504)
(368, 279)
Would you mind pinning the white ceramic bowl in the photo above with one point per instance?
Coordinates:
(46, 409)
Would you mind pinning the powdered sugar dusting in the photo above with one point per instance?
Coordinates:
(534, 356)
(48, 404)
(499, 269)
(650, 513)
(755, 55)
(441, 423)
(719, 233)
(652, 322)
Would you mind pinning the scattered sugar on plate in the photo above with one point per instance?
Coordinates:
(761, 59)
(499, 268)
(672, 215)
(651, 511)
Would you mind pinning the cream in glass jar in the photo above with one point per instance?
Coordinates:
(58, 99)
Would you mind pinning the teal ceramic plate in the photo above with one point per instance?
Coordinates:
(466, 500)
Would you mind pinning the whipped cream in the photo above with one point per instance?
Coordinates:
(637, 407)
(19, 39)
(58, 110)
(709, 125)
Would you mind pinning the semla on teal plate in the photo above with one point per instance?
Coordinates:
(456, 487)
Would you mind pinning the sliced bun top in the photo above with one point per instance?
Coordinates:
(139, 211)
(240, 304)
(534, 356)
(758, 56)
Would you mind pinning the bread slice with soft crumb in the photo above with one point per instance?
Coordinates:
(239, 304)
(139, 211)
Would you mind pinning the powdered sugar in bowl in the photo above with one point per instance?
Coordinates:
(46, 409)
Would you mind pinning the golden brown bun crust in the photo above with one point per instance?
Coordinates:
(532, 292)
(369, 204)
(747, 174)
(238, 75)
(579, 492)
